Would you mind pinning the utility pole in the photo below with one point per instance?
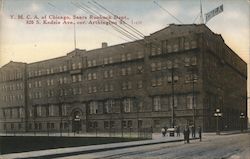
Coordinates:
(193, 98)
(172, 87)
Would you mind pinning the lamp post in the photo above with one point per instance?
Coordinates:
(242, 117)
(217, 114)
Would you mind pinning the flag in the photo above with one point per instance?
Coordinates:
(214, 12)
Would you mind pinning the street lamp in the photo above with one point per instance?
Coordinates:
(217, 114)
(242, 117)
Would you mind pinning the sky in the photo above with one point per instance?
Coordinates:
(25, 42)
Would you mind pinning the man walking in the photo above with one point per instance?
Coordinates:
(199, 131)
(178, 131)
(193, 131)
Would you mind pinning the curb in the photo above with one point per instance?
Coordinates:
(98, 150)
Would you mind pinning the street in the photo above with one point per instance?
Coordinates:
(235, 146)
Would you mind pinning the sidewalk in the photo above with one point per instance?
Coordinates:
(157, 138)
(227, 132)
(62, 152)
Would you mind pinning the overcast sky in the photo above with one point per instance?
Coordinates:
(34, 42)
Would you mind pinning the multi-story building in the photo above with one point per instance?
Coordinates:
(176, 76)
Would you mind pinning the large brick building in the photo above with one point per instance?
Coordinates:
(129, 86)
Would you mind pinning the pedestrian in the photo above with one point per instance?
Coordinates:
(163, 131)
(199, 130)
(185, 134)
(188, 132)
(193, 131)
(178, 130)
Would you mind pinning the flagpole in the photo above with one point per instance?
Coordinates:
(201, 14)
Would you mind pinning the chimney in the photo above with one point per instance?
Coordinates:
(104, 44)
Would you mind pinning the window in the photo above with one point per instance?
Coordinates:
(39, 83)
(158, 66)
(39, 110)
(130, 124)
(127, 105)
(30, 112)
(191, 78)
(169, 48)
(94, 62)
(65, 80)
(128, 70)
(139, 123)
(79, 65)
(139, 84)
(111, 73)
(51, 110)
(158, 50)
(190, 102)
(171, 101)
(105, 61)
(60, 69)
(108, 106)
(153, 51)
(124, 85)
(123, 71)
(187, 61)
(89, 89)
(129, 85)
(94, 89)
(159, 81)
(79, 78)
(89, 76)
(64, 68)
(156, 123)
(123, 57)
(94, 76)
(193, 44)
(106, 124)
(124, 124)
(73, 78)
(139, 69)
(64, 109)
(93, 107)
(128, 57)
(153, 66)
(176, 63)
(110, 60)
(111, 87)
(106, 89)
(176, 48)
(61, 92)
(176, 78)
(105, 74)
(157, 103)
(73, 66)
(153, 82)
(169, 64)
(89, 63)
(186, 45)
(194, 61)
(140, 55)
(74, 91)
